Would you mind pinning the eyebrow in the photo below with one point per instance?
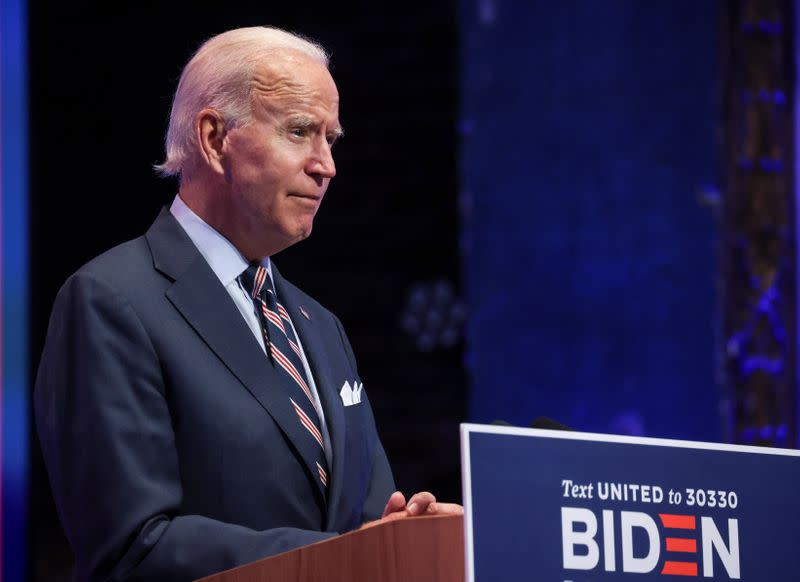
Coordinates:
(306, 122)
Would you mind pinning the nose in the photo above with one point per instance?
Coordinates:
(321, 163)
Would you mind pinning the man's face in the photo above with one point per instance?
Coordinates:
(278, 166)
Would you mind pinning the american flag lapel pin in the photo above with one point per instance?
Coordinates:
(305, 313)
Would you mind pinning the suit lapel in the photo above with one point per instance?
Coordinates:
(310, 337)
(205, 304)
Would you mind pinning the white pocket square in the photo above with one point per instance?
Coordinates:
(351, 394)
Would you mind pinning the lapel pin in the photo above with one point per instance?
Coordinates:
(305, 313)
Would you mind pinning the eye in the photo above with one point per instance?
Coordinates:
(331, 138)
(299, 131)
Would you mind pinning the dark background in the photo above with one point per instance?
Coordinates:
(101, 80)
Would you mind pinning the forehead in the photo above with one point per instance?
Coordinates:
(288, 79)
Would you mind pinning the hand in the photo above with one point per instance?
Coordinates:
(423, 503)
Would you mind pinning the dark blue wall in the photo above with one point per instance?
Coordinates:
(13, 287)
(590, 265)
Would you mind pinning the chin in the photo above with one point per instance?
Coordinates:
(305, 229)
(302, 233)
(305, 234)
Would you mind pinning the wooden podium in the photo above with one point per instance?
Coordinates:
(418, 549)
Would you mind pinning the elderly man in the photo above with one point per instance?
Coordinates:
(196, 410)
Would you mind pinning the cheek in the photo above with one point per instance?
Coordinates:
(245, 153)
(263, 172)
(248, 165)
(255, 176)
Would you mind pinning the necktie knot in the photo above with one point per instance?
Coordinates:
(256, 280)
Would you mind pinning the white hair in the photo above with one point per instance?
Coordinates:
(220, 76)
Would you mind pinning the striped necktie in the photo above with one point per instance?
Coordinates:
(284, 352)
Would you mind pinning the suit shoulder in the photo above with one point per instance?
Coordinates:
(119, 267)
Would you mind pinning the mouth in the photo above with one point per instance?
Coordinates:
(313, 197)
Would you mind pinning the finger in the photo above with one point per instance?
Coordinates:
(445, 509)
(419, 502)
(394, 516)
(397, 502)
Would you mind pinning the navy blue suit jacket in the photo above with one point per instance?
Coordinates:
(169, 443)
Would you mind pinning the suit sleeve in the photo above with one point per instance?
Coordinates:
(381, 487)
(381, 483)
(106, 434)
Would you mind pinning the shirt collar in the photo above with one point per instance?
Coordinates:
(224, 259)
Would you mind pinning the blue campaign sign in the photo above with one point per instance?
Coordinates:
(563, 506)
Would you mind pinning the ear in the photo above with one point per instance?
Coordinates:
(209, 127)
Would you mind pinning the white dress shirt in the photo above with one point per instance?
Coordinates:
(228, 263)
